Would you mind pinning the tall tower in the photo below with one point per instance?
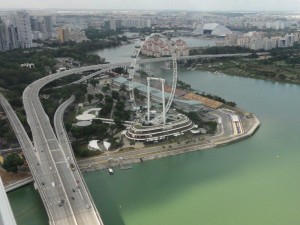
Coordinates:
(24, 29)
(48, 26)
(4, 38)
(13, 37)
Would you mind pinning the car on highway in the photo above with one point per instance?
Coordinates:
(72, 166)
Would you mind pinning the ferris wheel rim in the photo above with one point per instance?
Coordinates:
(135, 62)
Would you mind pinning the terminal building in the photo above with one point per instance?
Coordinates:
(178, 125)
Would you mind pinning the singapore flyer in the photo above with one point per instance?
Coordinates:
(157, 124)
(170, 49)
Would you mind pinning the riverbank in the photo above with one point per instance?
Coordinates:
(11, 178)
(123, 159)
(277, 71)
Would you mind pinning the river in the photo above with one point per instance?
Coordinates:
(255, 181)
(123, 52)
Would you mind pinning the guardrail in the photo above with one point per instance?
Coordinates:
(17, 184)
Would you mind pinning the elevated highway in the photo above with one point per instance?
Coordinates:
(34, 161)
(106, 67)
(64, 141)
(69, 202)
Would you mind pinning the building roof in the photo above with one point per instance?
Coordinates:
(121, 80)
(212, 29)
(106, 145)
(91, 110)
(205, 101)
(195, 131)
(189, 102)
(158, 93)
(83, 123)
(235, 118)
(84, 117)
(210, 26)
(93, 144)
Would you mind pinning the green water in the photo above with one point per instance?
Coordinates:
(122, 53)
(255, 181)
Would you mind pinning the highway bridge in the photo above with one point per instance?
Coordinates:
(70, 202)
(108, 67)
(34, 161)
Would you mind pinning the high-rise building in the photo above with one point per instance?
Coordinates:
(48, 24)
(22, 21)
(63, 34)
(13, 37)
(115, 24)
(41, 26)
(4, 38)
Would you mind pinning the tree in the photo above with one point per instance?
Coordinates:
(120, 106)
(119, 122)
(115, 95)
(122, 88)
(12, 162)
(253, 56)
(99, 96)
(90, 97)
(105, 88)
(94, 82)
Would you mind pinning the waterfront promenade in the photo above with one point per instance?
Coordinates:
(159, 151)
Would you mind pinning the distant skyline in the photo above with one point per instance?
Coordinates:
(194, 5)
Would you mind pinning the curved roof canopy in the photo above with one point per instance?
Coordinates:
(93, 144)
(85, 117)
(212, 29)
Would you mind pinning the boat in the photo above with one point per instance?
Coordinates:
(110, 171)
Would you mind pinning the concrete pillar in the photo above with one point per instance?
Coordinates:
(148, 98)
(163, 100)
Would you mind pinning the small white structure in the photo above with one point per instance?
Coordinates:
(61, 69)
(85, 117)
(93, 145)
(106, 145)
(83, 123)
(96, 110)
(202, 130)
(195, 131)
(234, 118)
(28, 65)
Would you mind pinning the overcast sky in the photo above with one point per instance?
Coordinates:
(196, 5)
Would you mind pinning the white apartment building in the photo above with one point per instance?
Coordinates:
(4, 37)
(257, 40)
(22, 21)
(158, 47)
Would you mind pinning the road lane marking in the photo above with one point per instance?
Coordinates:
(60, 162)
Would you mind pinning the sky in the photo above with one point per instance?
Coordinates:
(194, 5)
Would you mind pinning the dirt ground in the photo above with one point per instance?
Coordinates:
(8, 178)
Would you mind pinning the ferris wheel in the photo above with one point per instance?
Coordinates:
(133, 68)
